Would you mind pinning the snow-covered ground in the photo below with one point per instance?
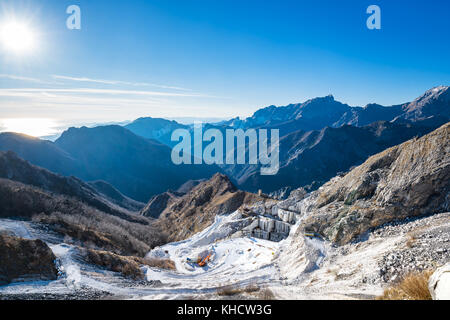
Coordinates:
(73, 275)
(234, 261)
(295, 268)
(237, 261)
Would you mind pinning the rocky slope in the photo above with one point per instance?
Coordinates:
(434, 103)
(408, 180)
(159, 203)
(14, 168)
(78, 222)
(197, 209)
(314, 157)
(40, 152)
(315, 269)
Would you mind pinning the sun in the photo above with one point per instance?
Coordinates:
(17, 37)
(31, 126)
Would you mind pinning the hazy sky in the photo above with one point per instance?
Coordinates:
(217, 58)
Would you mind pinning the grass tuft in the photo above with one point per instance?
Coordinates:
(160, 263)
(414, 286)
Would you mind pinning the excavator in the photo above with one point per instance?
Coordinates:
(202, 259)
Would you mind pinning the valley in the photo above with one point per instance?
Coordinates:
(168, 154)
(352, 237)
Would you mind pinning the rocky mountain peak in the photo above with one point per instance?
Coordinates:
(434, 102)
(221, 182)
(188, 214)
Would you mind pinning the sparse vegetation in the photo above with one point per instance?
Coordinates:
(414, 286)
(93, 229)
(266, 294)
(129, 266)
(411, 241)
(234, 290)
(252, 289)
(160, 263)
(413, 237)
(84, 225)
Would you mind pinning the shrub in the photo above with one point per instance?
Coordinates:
(127, 235)
(266, 294)
(412, 287)
(160, 263)
(128, 266)
(94, 229)
(233, 290)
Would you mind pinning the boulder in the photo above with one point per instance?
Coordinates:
(25, 259)
(439, 283)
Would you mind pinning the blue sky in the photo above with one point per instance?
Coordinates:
(168, 58)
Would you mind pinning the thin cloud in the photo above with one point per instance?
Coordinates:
(116, 82)
(26, 91)
(20, 78)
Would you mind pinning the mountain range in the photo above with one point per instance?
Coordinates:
(323, 137)
(136, 166)
(318, 113)
(319, 139)
(380, 211)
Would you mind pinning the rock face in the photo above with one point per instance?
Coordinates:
(439, 283)
(268, 229)
(408, 180)
(159, 203)
(196, 210)
(25, 259)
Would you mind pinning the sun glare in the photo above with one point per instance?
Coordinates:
(17, 37)
(31, 127)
